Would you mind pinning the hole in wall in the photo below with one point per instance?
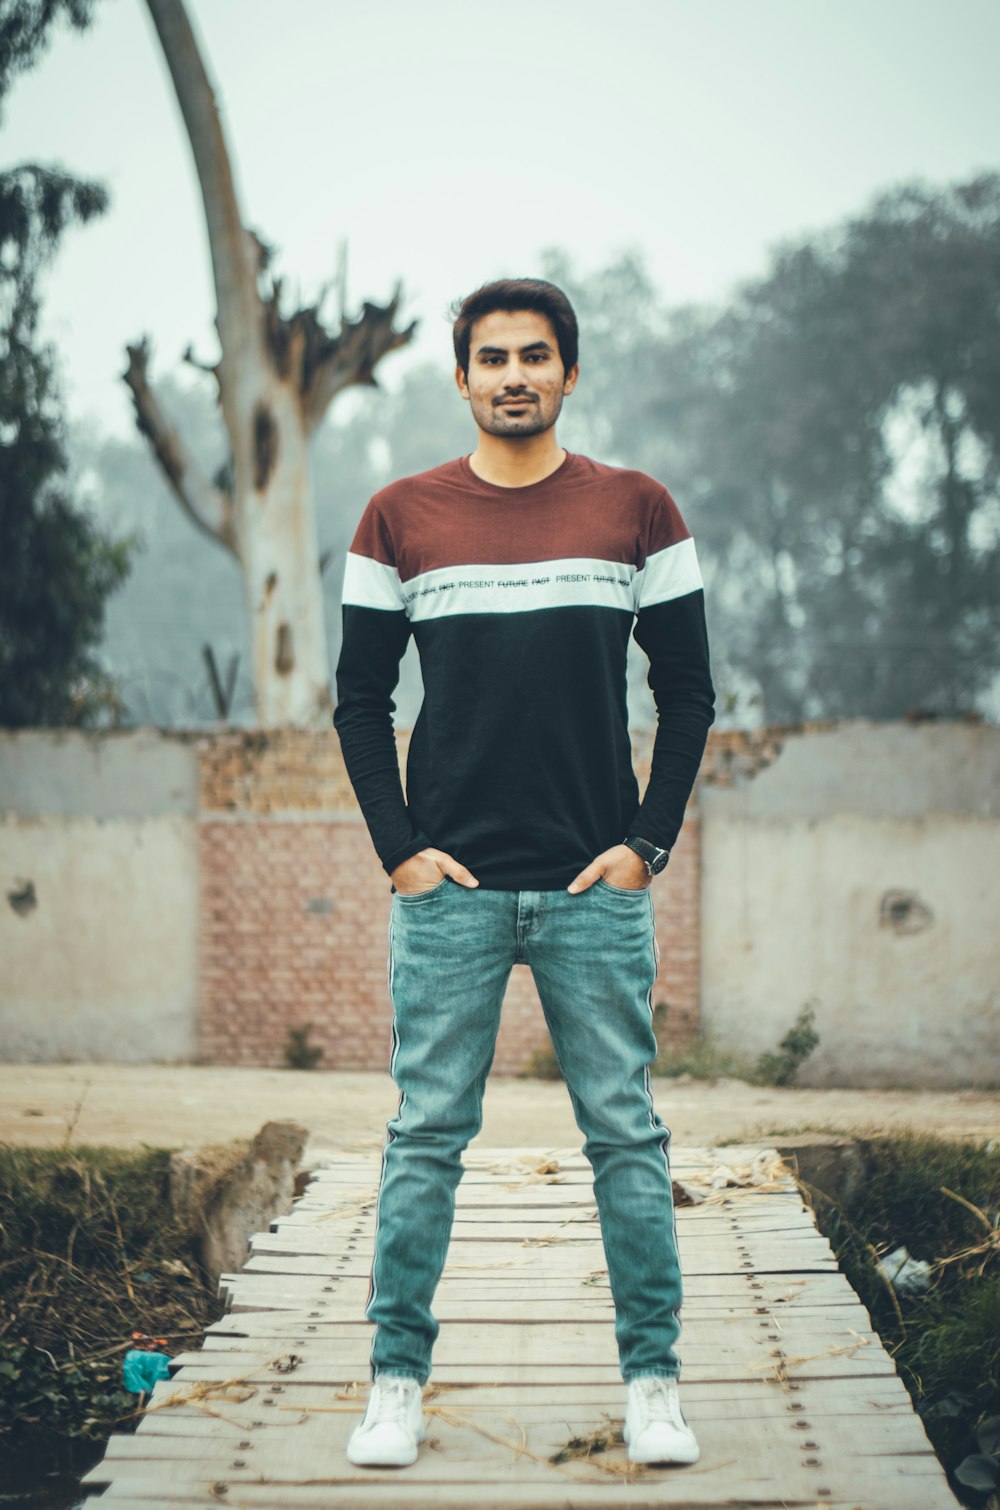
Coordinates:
(22, 897)
(904, 912)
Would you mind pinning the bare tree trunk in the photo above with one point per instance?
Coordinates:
(276, 378)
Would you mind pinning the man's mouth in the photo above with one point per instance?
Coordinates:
(515, 403)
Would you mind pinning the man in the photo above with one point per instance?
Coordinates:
(520, 571)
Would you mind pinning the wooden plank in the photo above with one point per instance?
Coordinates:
(387, 1496)
(740, 1459)
(560, 1263)
(239, 1412)
(839, 1396)
(518, 1305)
(326, 1239)
(352, 1367)
(811, 1287)
(710, 1325)
(572, 1237)
(478, 1235)
(469, 1221)
(312, 1446)
(536, 1205)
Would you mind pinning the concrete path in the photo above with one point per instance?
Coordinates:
(125, 1105)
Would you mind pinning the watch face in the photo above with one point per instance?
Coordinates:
(654, 857)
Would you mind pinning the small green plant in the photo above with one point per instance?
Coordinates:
(981, 1470)
(705, 1058)
(542, 1065)
(76, 1398)
(793, 1051)
(299, 1054)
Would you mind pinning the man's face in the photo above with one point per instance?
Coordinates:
(516, 383)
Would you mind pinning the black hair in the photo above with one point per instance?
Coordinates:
(513, 294)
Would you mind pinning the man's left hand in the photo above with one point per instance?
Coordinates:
(620, 866)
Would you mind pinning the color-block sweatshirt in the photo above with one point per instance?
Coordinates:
(521, 602)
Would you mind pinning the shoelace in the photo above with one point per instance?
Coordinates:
(660, 1401)
(393, 1399)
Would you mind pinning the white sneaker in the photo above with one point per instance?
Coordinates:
(655, 1428)
(393, 1425)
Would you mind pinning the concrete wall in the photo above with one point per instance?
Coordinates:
(857, 868)
(99, 917)
(179, 895)
(197, 895)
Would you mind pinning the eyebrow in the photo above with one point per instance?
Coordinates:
(501, 351)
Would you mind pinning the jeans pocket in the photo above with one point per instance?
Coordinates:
(622, 891)
(421, 896)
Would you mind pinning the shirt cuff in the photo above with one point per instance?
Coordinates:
(404, 852)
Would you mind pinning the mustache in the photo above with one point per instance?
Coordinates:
(510, 398)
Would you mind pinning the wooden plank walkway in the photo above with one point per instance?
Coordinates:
(793, 1398)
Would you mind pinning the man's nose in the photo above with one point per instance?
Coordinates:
(515, 376)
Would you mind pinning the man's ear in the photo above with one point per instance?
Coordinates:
(461, 381)
(569, 382)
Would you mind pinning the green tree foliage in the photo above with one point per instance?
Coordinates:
(56, 568)
(834, 434)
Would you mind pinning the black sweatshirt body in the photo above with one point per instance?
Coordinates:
(521, 602)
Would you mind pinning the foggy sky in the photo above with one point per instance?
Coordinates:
(450, 141)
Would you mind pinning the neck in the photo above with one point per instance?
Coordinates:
(516, 463)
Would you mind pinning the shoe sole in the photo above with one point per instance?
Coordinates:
(665, 1462)
(380, 1463)
(374, 1462)
(674, 1462)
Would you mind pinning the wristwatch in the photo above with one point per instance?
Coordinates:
(655, 858)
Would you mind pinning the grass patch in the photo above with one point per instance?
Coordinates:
(705, 1058)
(542, 1065)
(946, 1341)
(299, 1053)
(90, 1252)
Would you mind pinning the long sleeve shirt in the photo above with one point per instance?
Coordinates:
(521, 602)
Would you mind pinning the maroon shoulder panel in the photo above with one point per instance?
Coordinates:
(666, 527)
(449, 517)
(371, 538)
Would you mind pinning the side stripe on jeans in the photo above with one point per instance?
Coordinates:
(665, 1140)
(390, 1136)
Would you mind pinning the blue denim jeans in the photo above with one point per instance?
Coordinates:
(594, 958)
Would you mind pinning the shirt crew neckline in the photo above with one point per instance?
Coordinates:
(529, 488)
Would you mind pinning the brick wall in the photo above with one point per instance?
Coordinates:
(295, 909)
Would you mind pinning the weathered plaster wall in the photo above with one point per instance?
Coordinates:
(167, 895)
(99, 916)
(858, 870)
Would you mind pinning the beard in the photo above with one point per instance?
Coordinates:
(537, 416)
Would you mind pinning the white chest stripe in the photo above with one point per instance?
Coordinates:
(521, 588)
(573, 581)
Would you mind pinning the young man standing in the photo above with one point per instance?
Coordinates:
(521, 570)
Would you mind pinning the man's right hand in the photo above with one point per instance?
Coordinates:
(424, 870)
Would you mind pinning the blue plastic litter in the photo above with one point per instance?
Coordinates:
(141, 1370)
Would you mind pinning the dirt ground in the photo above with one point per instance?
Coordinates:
(186, 1107)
